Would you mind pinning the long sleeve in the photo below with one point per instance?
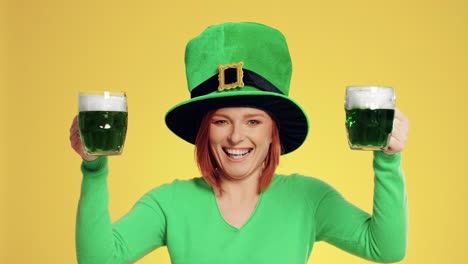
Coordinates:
(380, 237)
(97, 239)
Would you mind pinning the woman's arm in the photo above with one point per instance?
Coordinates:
(378, 237)
(97, 239)
(381, 236)
(130, 238)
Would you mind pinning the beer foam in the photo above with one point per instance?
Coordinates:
(102, 103)
(370, 97)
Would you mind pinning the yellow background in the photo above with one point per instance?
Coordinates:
(52, 49)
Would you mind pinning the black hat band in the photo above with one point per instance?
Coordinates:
(231, 75)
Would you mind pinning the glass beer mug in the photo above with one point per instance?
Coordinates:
(370, 111)
(102, 121)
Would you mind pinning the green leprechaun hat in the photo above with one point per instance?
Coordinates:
(243, 65)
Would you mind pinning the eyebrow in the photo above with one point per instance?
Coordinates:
(255, 115)
(245, 116)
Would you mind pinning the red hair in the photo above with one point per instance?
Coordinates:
(207, 163)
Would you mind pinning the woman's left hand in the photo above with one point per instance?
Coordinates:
(399, 134)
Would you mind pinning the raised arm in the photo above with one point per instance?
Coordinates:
(97, 239)
(382, 236)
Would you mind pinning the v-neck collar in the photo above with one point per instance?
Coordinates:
(228, 225)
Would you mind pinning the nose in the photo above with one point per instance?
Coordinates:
(237, 134)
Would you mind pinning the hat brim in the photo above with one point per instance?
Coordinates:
(184, 119)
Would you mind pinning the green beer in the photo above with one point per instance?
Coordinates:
(369, 117)
(103, 132)
(102, 121)
(369, 128)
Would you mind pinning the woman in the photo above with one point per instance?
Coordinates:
(241, 120)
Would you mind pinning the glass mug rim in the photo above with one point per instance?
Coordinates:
(103, 92)
(368, 87)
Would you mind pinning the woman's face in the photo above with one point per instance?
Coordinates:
(240, 139)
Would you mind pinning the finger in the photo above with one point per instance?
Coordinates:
(75, 140)
(396, 125)
(401, 117)
(74, 125)
(76, 146)
(397, 120)
(398, 114)
(394, 146)
(75, 135)
(401, 124)
(399, 133)
(397, 142)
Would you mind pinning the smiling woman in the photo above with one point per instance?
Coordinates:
(241, 120)
(241, 129)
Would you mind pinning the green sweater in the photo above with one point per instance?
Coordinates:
(293, 213)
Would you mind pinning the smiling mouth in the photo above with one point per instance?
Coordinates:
(237, 153)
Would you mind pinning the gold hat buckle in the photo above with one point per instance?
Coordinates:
(222, 78)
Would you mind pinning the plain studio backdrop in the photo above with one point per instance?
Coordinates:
(50, 50)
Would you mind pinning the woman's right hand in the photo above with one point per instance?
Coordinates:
(75, 141)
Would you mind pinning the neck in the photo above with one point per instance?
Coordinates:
(239, 190)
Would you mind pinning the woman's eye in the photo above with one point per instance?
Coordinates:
(219, 122)
(253, 122)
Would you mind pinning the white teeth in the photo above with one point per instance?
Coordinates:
(237, 153)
